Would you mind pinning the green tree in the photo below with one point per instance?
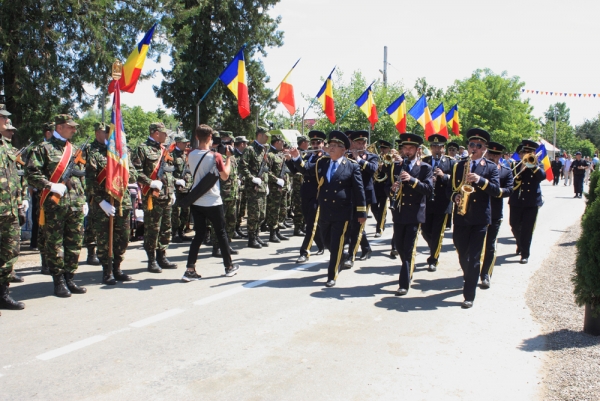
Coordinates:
(563, 113)
(590, 129)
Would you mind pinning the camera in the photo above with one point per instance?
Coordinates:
(222, 147)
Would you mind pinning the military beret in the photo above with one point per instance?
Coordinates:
(240, 139)
(181, 138)
(358, 135)
(529, 145)
(495, 148)
(437, 139)
(478, 133)
(160, 127)
(340, 137)
(65, 119)
(3, 111)
(101, 127)
(301, 139)
(411, 139)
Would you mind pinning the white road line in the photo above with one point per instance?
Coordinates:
(156, 318)
(71, 347)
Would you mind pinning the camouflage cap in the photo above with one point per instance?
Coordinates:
(48, 127)
(228, 134)
(216, 134)
(276, 137)
(262, 130)
(301, 139)
(65, 119)
(101, 127)
(3, 111)
(160, 127)
(9, 126)
(240, 139)
(181, 138)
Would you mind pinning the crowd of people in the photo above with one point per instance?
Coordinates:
(324, 188)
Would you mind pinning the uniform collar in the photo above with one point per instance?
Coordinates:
(153, 143)
(57, 136)
(258, 144)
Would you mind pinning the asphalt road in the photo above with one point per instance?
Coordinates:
(274, 331)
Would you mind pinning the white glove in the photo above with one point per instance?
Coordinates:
(173, 199)
(86, 209)
(257, 181)
(25, 205)
(280, 182)
(180, 182)
(58, 189)
(108, 208)
(267, 190)
(156, 185)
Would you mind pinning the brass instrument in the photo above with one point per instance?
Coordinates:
(530, 160)
(395, 196)
(465, 189)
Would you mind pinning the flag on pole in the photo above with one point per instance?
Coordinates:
(367, 104)
(286, 93)
(420, 112)
(438, 116)
(452, 119)
(132, 69)
(234, 77)
(325, 97)
(543, 156)
(117, 159)
(397, 111)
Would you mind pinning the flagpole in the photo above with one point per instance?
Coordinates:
(345, 114)
(202, 99)
(117, 70)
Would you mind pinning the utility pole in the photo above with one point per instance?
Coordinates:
(385, 64)
(554, 143)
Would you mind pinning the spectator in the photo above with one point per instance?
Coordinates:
(556, 167)
(567, 170)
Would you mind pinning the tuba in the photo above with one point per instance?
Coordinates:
(465, 189)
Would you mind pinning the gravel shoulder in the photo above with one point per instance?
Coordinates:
(572, 363)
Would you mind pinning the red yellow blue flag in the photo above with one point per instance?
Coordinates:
(420, 112)
(325, 97)
(438, 116)
(397, 111)
(117, 157)
(452, 120)
(543, 156)
(132, 69)
(367, 104)
(234, 77)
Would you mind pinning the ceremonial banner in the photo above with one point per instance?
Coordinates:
(420, 112)
(234, 77)
(325, 97)
(397, 111)
(438, 116)
(367, 104)
(117, 158)
(452, 120)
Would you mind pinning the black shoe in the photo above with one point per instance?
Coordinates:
(366, 255)
(432, 267)
(393, 254)
(74, 288)
(239, 232)
(320, 252)
(6, 302)
(576, 196)
(15, 278)
(216, 252)
(485, 284)
(348, 264)
(281, 236)
(330, 283)
(273, 237)
(524, 261)
(260, 241)
(302, 259)
(233, 251)
(287, 225)
(190, 276)
(176, 239)
(401, 291)
(92, 258)
(60, 286)
(263, 228)
(252, 243)
(108, 279)
(378, 234)
(236, 235)
(298, 232)
(162, 261)
(153, 267)
(466, 304)
(119, 275)
(232, 270)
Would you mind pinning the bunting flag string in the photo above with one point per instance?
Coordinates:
(564, 94)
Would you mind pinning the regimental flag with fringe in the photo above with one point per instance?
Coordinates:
(438, 116)
(132, 69)
(117, 158)
(543, 156)
(325, 97)
(367, 104)
(420, 112)
(234, 77)
(397, 111)
(286, 93)
(452, 120)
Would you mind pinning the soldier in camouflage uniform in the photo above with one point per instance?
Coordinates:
(101, 209)
(154, 165)
(10, 202)
(255, 181)
(63, 220)
(277, 199)
(183, 183)
(240, 144)
(297, 181)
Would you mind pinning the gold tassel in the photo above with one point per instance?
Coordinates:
(150, 206)
(42, 219)
(120, 210)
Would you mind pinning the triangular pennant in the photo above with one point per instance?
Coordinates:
(550, 93)
(536, 92)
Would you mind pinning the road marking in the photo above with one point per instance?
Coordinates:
(156, 318)
(71, 347)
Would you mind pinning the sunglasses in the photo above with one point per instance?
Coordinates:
(475, 145)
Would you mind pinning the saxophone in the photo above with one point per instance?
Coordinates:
(465, 189)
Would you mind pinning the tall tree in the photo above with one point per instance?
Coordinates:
(563, 113)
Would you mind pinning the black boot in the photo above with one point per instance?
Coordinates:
(74, 288)
(176, 239)
(238, 230)
(263, 228)
(232, 251)
(6, 302)
(92, 258)
(45, 269)
(60, 287)
(287, 225)
(118, 273)
(298, 232)
(281, 236)
(163, 262)
(107, 276)
(252, 243)
(153, 267)
(273, 237)
(263, 243)
(182, 236)
(236, 235)
(217, 251)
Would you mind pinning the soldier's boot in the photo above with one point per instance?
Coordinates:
(281, 236)
(182, 236)
(287, 225)
(252, 243)
(74, 288)
(273, 237)
(163, 262)
(236, 235)
(107, 276)
(298, 232)
(60, 286)
(216, 252)
(6, 302)
(45, 269)
(238, 230)
(260, 241)
(263, 228)
(15, 278)
(118, 273)
(176, 239)
(153, 267)
(92, 258)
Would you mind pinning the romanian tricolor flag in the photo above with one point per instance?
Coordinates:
(117, 159)
(367, 104)
(286, 93)
(325, 97)
(420, 112)
(397, 111)
(543, 156)
(452, 120)
(438, 116)
(132, 69)
(234, 76)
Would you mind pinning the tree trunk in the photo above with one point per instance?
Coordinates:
(591, 324)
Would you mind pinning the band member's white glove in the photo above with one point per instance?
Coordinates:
(173, 199)
(86, 209)
(180, 182)
(108, 208)
(58, 189)
(267, 190)
(280, 182)
(257, 181)
(25, 205)
(156, 184)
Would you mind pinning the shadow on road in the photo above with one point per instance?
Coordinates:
(558, 340)
(431, 302)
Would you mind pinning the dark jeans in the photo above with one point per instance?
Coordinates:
(217, 218)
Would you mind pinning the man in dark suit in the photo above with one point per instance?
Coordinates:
(578, 168)
(525, 200)
(412, 187)
(380, 178)
(472, 214)
(439, 205)
(556, 166)
(308, 193)
(368, 163)
(505, 175)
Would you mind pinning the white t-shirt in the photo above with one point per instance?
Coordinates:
(213, 162)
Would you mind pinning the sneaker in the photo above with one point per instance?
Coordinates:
(190, 276)
(232, 271)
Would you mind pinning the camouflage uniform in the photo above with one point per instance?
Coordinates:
(229, 195)
(89, 233)
(277, 199)
(10, 202)
(256, 195)
(180, 216)
(240, 205)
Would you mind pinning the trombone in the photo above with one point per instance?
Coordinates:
(530, 161)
